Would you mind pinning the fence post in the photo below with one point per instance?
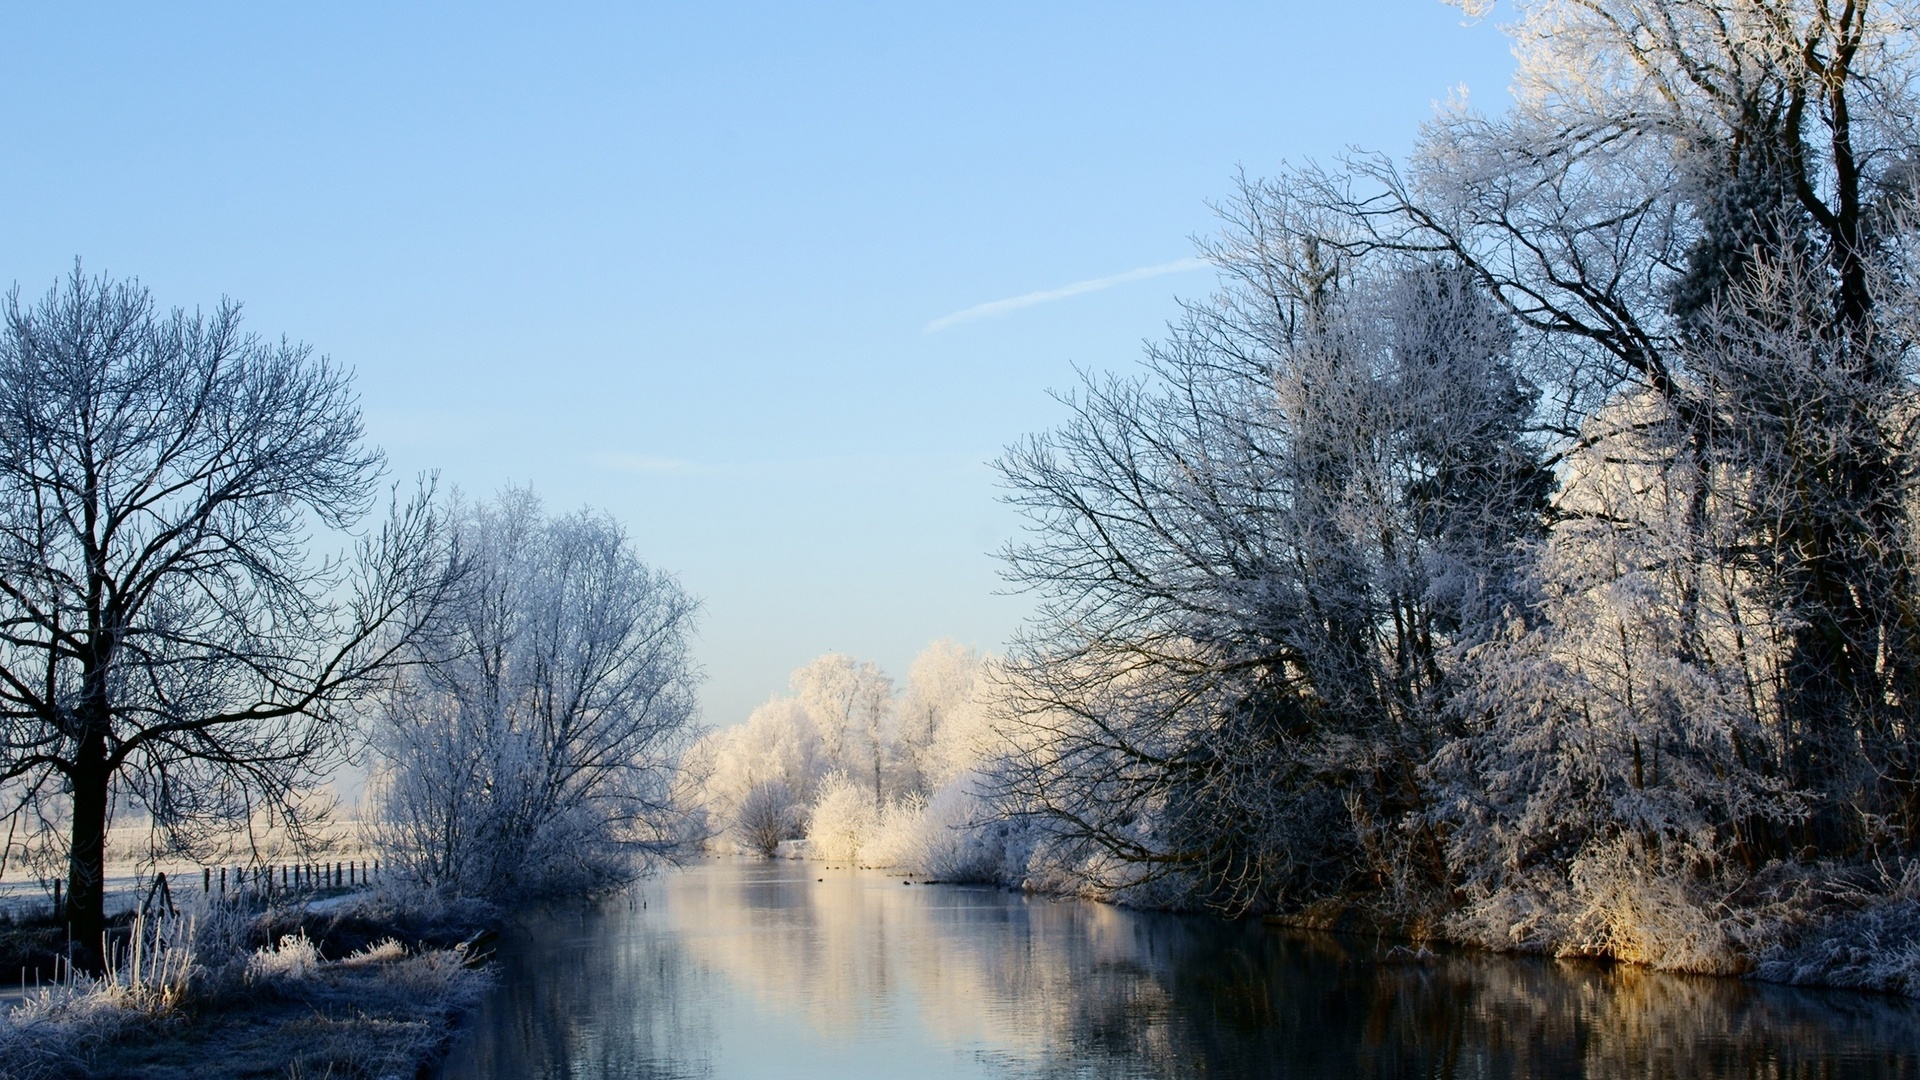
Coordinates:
(206, 880)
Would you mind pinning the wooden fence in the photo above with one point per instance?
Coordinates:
(254, 881)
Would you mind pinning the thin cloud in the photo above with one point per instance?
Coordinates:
(636, 463)
(833, 465)
(1015, 303)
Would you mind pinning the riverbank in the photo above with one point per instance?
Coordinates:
(1825, 923)
(1830, 926)
(349, 984)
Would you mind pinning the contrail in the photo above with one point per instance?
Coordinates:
(1015, 303)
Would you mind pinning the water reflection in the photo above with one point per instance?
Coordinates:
(747, 969)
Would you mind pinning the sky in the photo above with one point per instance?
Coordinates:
(772, 284)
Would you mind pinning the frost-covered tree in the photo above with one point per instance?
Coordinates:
(169, 642)
(1253, 560)
(750, 769)
(851, 704)
(532, 748)
(772, 773)
(942, 687)
(1630, 717)
(1698, 200)
(1532, 525)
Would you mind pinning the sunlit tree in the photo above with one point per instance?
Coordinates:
(533, 746)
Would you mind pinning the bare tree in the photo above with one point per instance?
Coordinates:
(166, 639)
(533, 748)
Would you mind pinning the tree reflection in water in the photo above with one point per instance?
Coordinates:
(749, 969)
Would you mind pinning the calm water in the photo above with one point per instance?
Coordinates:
(736, 968)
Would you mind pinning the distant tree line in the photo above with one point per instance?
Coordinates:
(846, 753)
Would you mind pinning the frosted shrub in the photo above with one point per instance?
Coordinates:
(844, 821)
(380, 952)
(954, 836)
(898, 840)
(147, 978)
(1643, 910)
(148, 974)
(766, 817)
(1875, 948)
(959, 838)
(294, 958)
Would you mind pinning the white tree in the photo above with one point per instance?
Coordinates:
(940, 714)
(776, 755)
(767, 815)
(533, 748)
(1309, 624)
(1631, 723)
(851, 704)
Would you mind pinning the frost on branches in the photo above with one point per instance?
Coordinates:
(1520, 544)
(533, 747)
(847, 770)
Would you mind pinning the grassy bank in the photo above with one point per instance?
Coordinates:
(345, 986)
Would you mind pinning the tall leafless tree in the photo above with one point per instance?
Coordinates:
(167, 640)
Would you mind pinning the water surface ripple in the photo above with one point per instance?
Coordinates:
(738, 968)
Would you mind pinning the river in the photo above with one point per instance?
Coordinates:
(735, 968)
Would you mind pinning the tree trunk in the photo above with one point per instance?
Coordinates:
(86, 873)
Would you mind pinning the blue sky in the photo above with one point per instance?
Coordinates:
(773, 284)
